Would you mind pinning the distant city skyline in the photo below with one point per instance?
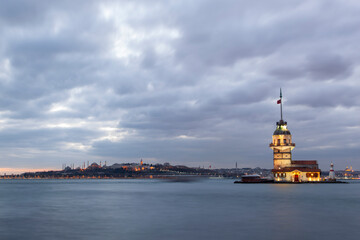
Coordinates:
(184, 82)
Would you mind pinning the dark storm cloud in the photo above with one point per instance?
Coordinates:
(328, 67)
(317, 67)
(181, 81)
(44, 138)
(326, 95)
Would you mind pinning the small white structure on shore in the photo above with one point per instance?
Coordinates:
(332, 173)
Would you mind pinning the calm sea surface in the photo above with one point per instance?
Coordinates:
(155, 209)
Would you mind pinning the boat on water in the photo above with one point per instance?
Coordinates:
(254, 179)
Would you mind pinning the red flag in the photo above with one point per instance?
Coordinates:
(279, 101)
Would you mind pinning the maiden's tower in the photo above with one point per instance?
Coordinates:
(286, 169)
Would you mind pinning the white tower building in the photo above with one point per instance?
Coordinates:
(332, 173)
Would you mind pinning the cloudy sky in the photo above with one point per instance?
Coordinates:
(186, 82)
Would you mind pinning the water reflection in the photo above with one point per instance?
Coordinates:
(156, 209)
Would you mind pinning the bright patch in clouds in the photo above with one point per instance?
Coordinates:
(76, 146)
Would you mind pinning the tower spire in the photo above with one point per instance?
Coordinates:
(281, 114)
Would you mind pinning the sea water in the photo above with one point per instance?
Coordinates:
(158, 209)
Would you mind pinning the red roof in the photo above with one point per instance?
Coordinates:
(291, 169)
(312, 162)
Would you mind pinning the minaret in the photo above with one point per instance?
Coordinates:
(282, 144)
(332, 173)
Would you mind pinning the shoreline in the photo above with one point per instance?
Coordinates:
(323, 182)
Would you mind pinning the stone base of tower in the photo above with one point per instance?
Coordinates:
(295, 174)
(298, 171)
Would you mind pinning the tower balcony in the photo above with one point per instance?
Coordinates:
(282, 145)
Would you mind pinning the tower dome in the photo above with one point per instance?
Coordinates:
(281, 128)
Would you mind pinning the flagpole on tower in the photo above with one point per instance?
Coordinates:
(281, 105)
